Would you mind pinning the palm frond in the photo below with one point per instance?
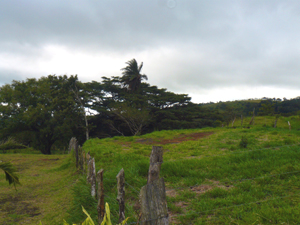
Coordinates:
(131, 75)
(9, 171)
(140, 67)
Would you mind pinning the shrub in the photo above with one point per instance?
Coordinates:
(243, 142)
(11, 144)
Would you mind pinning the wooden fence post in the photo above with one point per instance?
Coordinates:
(156, 159)
(252, 121)
(72, 143)
(121, 194)
(83, 162)
(91, 178)
(154, 210)
(76, 149)
(233, 121)
(100, 196)
(80, 158)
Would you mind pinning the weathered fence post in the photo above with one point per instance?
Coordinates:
(156, 159)
(233, 121)
(252, 121)
(76, 154)
(91, 177)
(72, 143)
(121, 194)
(100, 196)
(275, 123)
(80, 158)
(154, 210)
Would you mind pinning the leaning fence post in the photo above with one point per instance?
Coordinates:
(154, 210)
(121, 194)
(100, 196)
(289, 125)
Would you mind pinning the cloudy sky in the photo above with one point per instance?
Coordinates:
(213, 50)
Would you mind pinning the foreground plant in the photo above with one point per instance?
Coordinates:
(89, 221)
(9, 171)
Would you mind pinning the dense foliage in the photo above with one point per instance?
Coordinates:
(45, 113)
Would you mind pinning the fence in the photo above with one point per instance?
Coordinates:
(155, 187)
(152, 197)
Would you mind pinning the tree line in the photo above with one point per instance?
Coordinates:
(45, 113)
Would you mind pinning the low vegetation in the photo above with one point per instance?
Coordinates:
(225, 175)
(44, 194)
(211, 178)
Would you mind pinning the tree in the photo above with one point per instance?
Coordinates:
(9, 171)
(83, 98)
(267, 108)
(40, 112)
(135, 119)
(132, 76)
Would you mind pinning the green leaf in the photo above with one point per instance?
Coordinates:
(9, 171)
(88, 220)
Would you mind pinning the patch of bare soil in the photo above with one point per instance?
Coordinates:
(173, 216)
(171, 193)
(16, 205)
(200, 189)
(176, 140)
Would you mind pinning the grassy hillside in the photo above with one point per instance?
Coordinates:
(45, 192)
(213, 175)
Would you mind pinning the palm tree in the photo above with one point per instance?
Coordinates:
(132, 76)
(9, 171)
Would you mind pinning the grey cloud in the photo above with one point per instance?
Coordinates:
(217, 43)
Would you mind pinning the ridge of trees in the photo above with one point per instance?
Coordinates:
(45, 113)
(264, 106)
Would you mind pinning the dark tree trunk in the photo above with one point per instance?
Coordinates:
(47, 143)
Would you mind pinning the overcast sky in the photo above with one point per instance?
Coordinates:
(211, 50)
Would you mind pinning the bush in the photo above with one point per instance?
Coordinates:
(11, 144)
(243, 142)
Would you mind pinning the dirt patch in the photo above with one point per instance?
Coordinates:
(49, 159)
(173, 215)
(17, 208)
(200, 189)
(171, 193)
(176, 140)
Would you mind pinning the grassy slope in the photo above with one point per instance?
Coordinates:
(45, 192)
(209, 180)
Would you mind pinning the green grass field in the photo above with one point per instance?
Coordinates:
(45, 192)
(220, 176)
(229, 175)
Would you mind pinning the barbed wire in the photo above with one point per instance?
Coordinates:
(132, 187)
